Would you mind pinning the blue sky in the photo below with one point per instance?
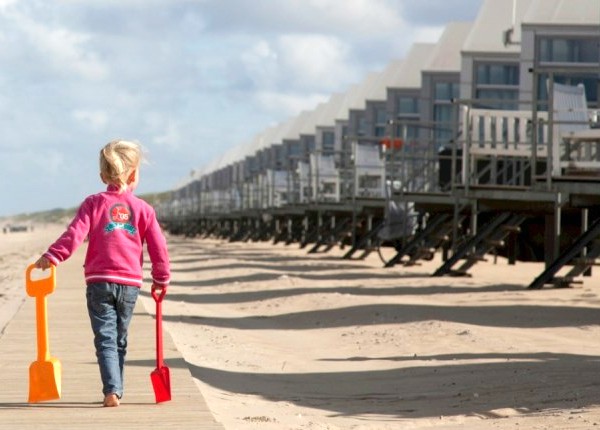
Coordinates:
(185, 78)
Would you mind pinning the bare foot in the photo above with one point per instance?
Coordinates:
(111, 400)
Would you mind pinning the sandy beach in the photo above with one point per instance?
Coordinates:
(17, 250)
(280, 339)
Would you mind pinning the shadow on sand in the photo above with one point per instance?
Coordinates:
(513, 316)
(442, 387)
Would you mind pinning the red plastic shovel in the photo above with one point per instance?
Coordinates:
(44, 373)
(161, 378)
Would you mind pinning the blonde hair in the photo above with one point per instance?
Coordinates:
(118, 160)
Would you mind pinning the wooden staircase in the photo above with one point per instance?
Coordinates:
(590, 239)
(425, 242)
(491, 236)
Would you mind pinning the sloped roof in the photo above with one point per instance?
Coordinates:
(293, 132)
(308, 126)
(446, 54)
(408, 75)
(356, 96)
(493, 19)
(582, 12)
(327, 115)
(238, 152)
(386, 77)
(271, 136)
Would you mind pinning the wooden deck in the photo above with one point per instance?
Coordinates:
(71, 342)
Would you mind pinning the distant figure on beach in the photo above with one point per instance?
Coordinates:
(117, 224)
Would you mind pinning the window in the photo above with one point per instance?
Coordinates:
(344, 130)
(412, 131)
(280, 156)
(443, 118)
(407, 114)
(407, 105)
(497, 85)
(362, 126)
(380, 116)
(572, 50)
(445, 91)
(294, 149)
(498, 99)
(380, 122)
(380, 131)
(443, 111)
(497, 74)
(252, 164)
(328, 142)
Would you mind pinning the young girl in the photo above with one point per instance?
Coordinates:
(117, 224)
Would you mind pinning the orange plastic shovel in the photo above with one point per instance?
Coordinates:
(161, 378)
(44, 374)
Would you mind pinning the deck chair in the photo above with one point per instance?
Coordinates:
(576, 144)
(277, 185)
(325, 178)
(369, 170)
(303, 175)
(236, 199)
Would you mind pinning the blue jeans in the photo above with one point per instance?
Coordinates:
(110, 307)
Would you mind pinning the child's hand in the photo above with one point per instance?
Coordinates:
(158, 289)
(43, 263)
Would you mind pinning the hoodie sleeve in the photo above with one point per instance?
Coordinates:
(73, 236)
(158, 252)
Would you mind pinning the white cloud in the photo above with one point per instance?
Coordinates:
(169, 136)
(96, 120)
(260, 64)
(315, 61)
(51, 162)
(259, 52)
(301, 62)
(6, 3)
(353, 18)
(289, 104)
(438, 12)
(65, 51)
(43, 162)
(364, 17)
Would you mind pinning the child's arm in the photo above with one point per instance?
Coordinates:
(159, 255)
(70, 240)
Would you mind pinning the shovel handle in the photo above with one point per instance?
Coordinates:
(40, 287)
(158, 298)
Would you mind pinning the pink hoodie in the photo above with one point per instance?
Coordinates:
(117, 226)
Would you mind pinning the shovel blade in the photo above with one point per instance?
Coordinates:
(161, 382)
(44, 380)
